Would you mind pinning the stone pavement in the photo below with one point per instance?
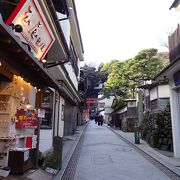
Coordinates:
(68, 149)
(69, 144)
(105, 156)
(164, 157)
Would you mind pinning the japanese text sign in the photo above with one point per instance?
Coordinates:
(26, 119)
(36, 31)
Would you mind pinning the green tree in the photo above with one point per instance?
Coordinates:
(125, 76)
(144, 66)
(105, 69)
(116, 83)
(164, 58)
(92, 79)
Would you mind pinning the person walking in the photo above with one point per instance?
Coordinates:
(101, 120)
(96, 118)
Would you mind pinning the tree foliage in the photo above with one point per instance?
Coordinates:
(92, 79)
(144, 66)
(123, 77)
(164, 58)
(116, 81)
(105, 69)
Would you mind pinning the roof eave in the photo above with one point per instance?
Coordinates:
(174, 4)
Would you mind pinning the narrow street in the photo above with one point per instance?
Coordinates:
(102, 155)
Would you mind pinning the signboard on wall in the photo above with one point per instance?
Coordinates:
(26, 119)
(36, 31)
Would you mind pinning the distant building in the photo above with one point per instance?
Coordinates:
(128, 110)
(156, 96)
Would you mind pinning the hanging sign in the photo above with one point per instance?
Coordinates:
(26, 119)
(36, 31)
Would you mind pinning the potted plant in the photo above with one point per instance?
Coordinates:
(51, 166)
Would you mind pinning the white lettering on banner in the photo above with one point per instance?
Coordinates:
(36, 31)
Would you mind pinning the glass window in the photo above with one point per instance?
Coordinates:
(47, 105)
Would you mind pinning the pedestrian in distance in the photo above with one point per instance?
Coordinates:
(96, 118)
(101, 120)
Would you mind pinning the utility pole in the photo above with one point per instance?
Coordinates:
(140, 107)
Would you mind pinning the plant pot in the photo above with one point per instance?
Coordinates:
(51, 170)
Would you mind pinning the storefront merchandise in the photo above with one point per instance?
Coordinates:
(17, 123)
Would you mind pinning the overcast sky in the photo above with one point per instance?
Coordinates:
(119, 29)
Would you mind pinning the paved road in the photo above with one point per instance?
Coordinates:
(104, 156)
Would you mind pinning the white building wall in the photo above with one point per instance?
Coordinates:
(131, 104)
(46, 137)
(65, 25)
(163, 91)
(101, 104)
(107, 111)
(108, 101)
(153, 94)
(175, 114)
(71, 74)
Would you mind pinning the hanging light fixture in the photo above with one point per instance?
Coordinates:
(28, 105)
(44, 61)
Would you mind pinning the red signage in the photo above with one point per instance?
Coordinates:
(26, 119)
(36, 31)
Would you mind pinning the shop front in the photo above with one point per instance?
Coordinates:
(33, 100)
(25, 99)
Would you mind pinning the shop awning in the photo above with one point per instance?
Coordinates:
(18, 59)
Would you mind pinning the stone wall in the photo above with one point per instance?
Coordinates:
(128, 124)
(156, 129)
